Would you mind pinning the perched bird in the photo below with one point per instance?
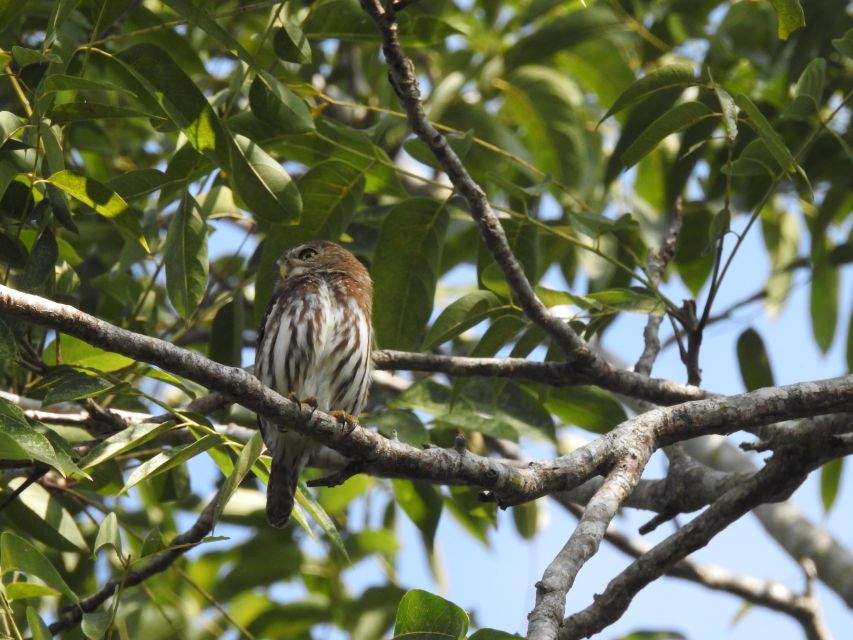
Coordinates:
(315, 343)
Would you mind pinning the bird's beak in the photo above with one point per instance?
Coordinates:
(284, 267)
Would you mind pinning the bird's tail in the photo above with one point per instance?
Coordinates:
(281, 489)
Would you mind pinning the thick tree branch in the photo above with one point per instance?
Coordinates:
(507, 484)
(628, 383)
(778, 479)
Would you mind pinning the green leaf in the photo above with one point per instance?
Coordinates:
(319, 515)
(494, 634)
(17, 553)
(28, 590)
(730, 111)
(123, 441)
(24, 56)
(679, 117)
(587, 407)
(809, 91)
(226, 334)
(790, 16)
(108, 535)
(767, 133)
(186, 257)
(331, 192)
(75, 387)
(526, 517)
(844, 45)
(135, 184)
(559, 33)
(198, 17)
(43, 517)
(460, 315)
(95, 624)
(169, 459)
(19, 441)
(405, 269)
(830, 481)
(290, 44)
(634, 300)
(263, 184)
(278, 106)
(40, 263)
(165, 82)
(824, 305)
(103, 200)
(754, 363)
(405, 424)
(82, 111)
(79, 353)
(422, 502)
(460, 143)
(62, 82)
(426, 616)
(675, 75)
(248, 456)
(37, 626)
(8, 344)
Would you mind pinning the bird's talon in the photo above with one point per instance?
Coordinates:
(312, 402)
(345, 419)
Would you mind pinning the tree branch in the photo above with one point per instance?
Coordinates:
(71, 616)
(508, 485)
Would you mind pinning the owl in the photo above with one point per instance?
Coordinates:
(315, 342)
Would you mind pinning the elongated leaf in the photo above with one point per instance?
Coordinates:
(76, 352)
(844, 45)
(17, 553)
(8, 345)
(103, 200)
(27, 590)
(633, 300)
(824, 305)
(263, 184)
(108, 535)
(278, 106)
(427, 616)
(41, 262)
(587, 407)
(754, 363)
(168, 85)
(494, 634)
(42, 517)
(767, 133)
(75, 387)
(186, 257)
(809, 91)
(830, 481)
(405, 269)
(462, 314)
(319, 515)
(226, 334)
(124, 440)
(679, 117)
(730, 111)
(19, 441)
(290, 44)
(80, 111)
(331, 192)
(422, 502)
(790, 16)
(248, 456)
(675, 75)
(136, 184)
(63, 82)
(166, 460)
(37, 626)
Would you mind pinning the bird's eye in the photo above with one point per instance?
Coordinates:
(307, 254)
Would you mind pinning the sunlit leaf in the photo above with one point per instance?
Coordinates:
(830, 482)
(427, 616)
(790, 16)
(17, 553)
(679, 117)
